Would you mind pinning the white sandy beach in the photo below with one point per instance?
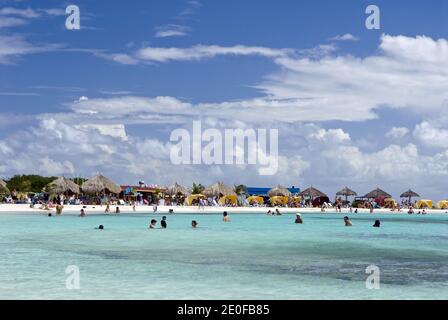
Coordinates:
(89, 209)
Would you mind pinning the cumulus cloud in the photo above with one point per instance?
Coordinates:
(430, 135)
(319, 85)
(397, 132)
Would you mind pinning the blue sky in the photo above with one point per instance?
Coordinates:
(376, 116)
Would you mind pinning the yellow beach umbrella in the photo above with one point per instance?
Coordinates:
(443, 204)
(390, 203)
(255, 199)
(424, 204)
(189, 200)
(224, 200)
(281, 200)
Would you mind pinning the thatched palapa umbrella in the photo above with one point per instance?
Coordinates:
(62, 186)
(177, 189)
(3, 188)
(377, 193)
(279, 191)
(218, 189)
(409, 194)
(312, 193)
(346, 192)
(99, 184)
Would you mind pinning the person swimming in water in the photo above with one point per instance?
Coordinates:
(377, 224)
(163, 223)
(83, 213)
(100, 227)
(269, 213)
(225, 218)
(298, 218)
(277, 212)
(347, 222)
(194, 224)
(153, 223)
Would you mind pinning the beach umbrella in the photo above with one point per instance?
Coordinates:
(218, 189)
(409, 194)
(255, 199)
(377, 193)
(312, 193)
(177, 189)
(61, 186)
(99, 184)
(346, 192)
(279, 191)
(3, 188)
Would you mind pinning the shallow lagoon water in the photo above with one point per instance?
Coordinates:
(253, 257)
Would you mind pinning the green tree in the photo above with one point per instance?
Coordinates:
(197, 188)
(240, 189)
(28, 183)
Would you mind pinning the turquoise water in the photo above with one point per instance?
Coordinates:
(253, 257)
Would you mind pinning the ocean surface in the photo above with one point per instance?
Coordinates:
(252, 257)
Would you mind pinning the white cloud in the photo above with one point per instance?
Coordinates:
(317, 85)
(171, 30)
(24, 13)
(14, 46)
(345, 37)
(199, 52)
(8, 22)
(397, 132)
(431, 136)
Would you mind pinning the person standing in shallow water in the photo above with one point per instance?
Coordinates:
(298, 218)
(347, 222)
(83, 213)
(153, 223)
(163, 223)
(194, 224)
(377, 224)
(225, 218)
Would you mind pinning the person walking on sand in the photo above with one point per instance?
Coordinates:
(107, 209)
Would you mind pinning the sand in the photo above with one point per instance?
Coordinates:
(97, 210)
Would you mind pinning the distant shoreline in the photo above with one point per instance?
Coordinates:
(99, 210)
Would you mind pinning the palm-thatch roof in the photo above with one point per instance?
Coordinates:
(377, 193)
(346, 192)
(99, 184)
(62, 185)
(279, 191)
(3, 188)
(177, 189)
(409, 194)
(218, 189)
(312, 193)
